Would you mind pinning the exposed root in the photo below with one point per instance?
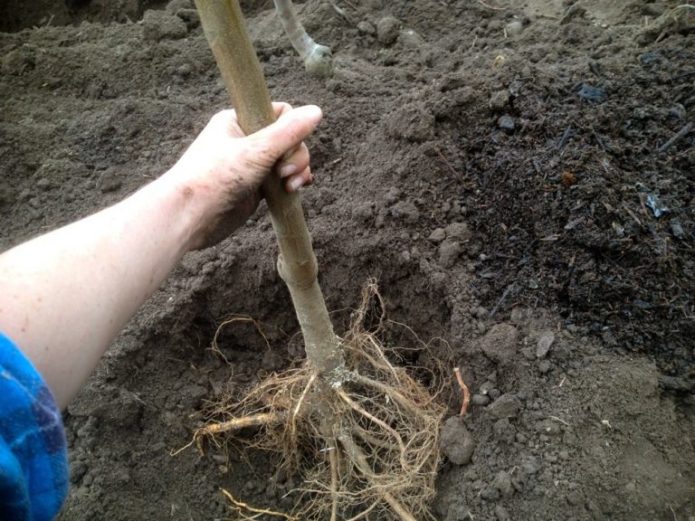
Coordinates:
(464, 390)
(366, 448)
(244, 507)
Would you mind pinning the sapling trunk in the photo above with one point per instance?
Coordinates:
(226, 31)
(361, 433)
(317, 58)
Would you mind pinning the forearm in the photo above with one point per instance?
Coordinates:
(67, 294)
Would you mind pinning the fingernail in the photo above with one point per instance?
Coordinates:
(313, 112)
(288, 170)
(295, 183)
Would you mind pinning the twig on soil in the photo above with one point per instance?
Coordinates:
(675, 138)
(464, 390)
(244, 506)
(492, 7)
(446, 162)
(506, 292)
(560, 420)
(235, 424)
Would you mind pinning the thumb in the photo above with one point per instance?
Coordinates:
(268, 145)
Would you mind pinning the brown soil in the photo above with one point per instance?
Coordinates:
(500, 178)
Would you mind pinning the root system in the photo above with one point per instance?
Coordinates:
(364, 448)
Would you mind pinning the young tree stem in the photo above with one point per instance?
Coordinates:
(225, 29)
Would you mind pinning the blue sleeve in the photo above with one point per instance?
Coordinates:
(33, 453)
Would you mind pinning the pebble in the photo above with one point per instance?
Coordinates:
(44, 183)
(501, 513)
(500, 343)
(544, 366)
(499, 100)
(406, 211)
(365, 27)
(506, 123)
(458, 231)
(363, 211)
(110, 181)
(392, 195)
(480, 399)
(504, 431)
(174, 6)
(456, 442)
(449, 252)
(158, 25)
(514, 28)
(410, 38)
(530, 466)
(591, 94)
(490, 493)
(387, 30)
(503, 483)
(437, 235)
(677, 229)
(190, 17)
(545, 341)
(506, 406)
(549, 427)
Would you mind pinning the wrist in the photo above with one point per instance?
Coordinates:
(181, 204)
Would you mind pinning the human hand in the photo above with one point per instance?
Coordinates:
(222, 171)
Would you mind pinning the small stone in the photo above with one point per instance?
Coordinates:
(449, 252)
(456, 442)
(544, 367)
(503, 483)
(458, 231)
(43, 183)
(506, 406)
(591, 94)
(549, 427)
(499, 100)
(494, 393)
(506, 123)
(110, 181)
(501, 513)
(365, 27)
(387, 30)
(574, 11)
(514, 28)
(530, 466)
(363, 211)
(406, 211)
(184, 70)
(437, 235)
(575, 497)
(490, 494)
(545, 341)
(500, 343)
(175, 5)
(677, 229)
(410, 38)
(504, 431)
(158, 25)
(392, 195)
(480, 399)
(190, 17)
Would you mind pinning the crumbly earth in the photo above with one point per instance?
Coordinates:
(504, 169)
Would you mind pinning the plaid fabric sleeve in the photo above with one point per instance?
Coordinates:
(33, 454)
